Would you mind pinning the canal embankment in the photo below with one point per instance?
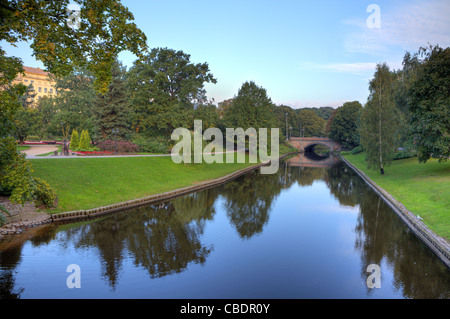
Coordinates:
(438, 244)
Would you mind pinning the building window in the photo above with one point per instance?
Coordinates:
(26, 80)
(45, 90)
(40, 89)
(51, 90)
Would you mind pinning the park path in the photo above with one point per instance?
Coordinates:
(39, 149)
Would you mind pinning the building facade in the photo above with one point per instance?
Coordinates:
(40, 80)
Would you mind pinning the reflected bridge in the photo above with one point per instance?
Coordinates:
(308, 159)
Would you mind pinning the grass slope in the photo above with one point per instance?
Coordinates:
(423, 188)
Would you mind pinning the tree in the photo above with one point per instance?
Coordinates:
(165, 88)
(429, 105)
(85, 140)
(343, 128)
(312, 124)
(112, 109)
(378, 119)
(102, 31)
(25, 122)
(285, 114)
(75, 140)
(251, 107)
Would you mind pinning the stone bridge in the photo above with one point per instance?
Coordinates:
(305, 144)
(303, 160)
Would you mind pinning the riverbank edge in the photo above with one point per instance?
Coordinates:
(74, 216)
(437, 244)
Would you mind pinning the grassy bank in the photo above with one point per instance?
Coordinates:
(83, 183)
(422, 188)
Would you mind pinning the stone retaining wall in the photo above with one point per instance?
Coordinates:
(437, 244)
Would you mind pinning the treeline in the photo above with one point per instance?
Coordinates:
(406, 114)
(143, 105)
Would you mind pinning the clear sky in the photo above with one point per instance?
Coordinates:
(304, 53)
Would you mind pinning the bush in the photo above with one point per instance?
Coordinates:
(43, 193)
(85, 140)
(75, 140)
(122, 146)
(152, 144)
(357, 149)
(404, 154)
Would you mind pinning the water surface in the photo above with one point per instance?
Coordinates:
(305, 232)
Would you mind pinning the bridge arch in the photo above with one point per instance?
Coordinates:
(305, 143)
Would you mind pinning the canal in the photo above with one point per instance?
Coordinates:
(308, 231)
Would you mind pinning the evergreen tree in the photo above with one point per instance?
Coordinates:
(85, 140)
(378, 119)
(75, 140)
(113, 109)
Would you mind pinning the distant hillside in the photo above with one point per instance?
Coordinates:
(324, 112)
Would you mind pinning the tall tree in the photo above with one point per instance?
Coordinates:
(378, 119)
(312, 124)
(430, 104)
(165, 87)
(251, 107)
(112, 109)
(343, 128)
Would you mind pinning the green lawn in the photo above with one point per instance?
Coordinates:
(423, 188)
(84, 183)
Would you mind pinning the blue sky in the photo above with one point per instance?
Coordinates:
(304, 53)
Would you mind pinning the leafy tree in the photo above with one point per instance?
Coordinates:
(25, 122)
(378, 119)
(251, 107)
(27, 99)
(343, 128)
(429, 105)
(165, 88)
(102, 31)
(312, 124)
(208, 114)
(112, 109)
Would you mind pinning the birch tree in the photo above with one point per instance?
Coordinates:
(378, 120)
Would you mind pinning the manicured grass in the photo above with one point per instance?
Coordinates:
(22, 148)
(423, 188)
(83, 183)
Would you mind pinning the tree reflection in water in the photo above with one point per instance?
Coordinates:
(165, 238)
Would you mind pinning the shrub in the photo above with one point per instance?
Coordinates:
(404, 154)
(122, 146)
(152, 144)
(75, 140)
(357, 149)
(85, 140)
(43, 193)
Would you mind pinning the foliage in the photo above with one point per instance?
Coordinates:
(152, 144)
(103, 31)
(312, 124)
(165, 88)
(358, 149)
(293, 120)
(85, 140)
(404, 154)
(343, 127)
(3, 211)
(251, 107)
(112, 109)
(121, 146)
(75, 140)
(43, 193)
(429, 105)
(324, 112)
(25, 121)
(378, 120)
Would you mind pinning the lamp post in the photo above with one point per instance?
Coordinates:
(286, 126)
(115, 131)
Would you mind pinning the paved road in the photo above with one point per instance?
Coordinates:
(39, 149)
